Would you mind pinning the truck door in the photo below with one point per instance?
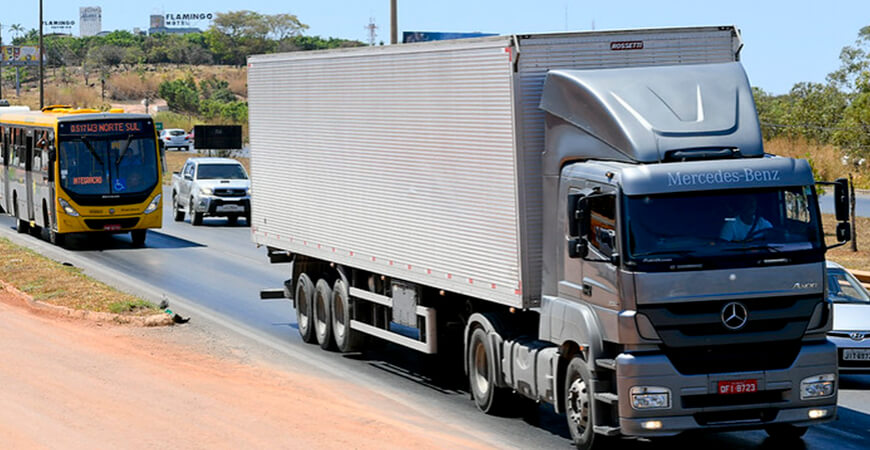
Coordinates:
(186, 182)
(599, 273)
(29, 186)
(571, 282)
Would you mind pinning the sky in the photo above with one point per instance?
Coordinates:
(785, 42)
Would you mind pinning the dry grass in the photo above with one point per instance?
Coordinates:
(132, 86)
(827, 160)
(859, 260)
(51, 282)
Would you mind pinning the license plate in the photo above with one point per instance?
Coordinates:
(851, 354)
(738, 386)
(112, 227)
(230, 208)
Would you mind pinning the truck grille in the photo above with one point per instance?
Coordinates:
(696, 341)
(227, 192)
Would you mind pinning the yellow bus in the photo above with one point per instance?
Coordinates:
(70, 170)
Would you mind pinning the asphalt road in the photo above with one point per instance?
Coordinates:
(214, 273)
(862, 204)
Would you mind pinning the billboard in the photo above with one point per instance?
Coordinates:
(424, 36)
(187, 20)
(217, 137)
(14, 55)
(59, 26)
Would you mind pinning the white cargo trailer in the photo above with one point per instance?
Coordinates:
(422, 161)
(561, 209)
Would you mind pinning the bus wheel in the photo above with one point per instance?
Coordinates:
(138, 237)
(23, 226)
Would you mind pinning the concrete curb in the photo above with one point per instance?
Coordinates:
(154, 320)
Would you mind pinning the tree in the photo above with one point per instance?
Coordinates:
(283, 26)
(180, 95)
(17, 30)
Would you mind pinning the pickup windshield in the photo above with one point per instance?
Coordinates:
(717, 227)
(221, 172)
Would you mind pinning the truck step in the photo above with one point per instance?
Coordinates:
(271, 294)
(605, 430)
(609, 364)
(606, 397)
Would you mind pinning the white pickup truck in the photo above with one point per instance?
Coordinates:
(216, 187)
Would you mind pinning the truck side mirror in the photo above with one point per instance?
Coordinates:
(578, 248)
(844, 232)
(578, 215)
(841, 200)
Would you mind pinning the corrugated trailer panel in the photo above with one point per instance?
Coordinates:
(592, 50)
(399, 161)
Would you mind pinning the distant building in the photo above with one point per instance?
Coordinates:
(90, 20)
(158, 25)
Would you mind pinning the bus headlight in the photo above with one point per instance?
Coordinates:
(153, 205)
(69, 210)
(206, 191)
(819, 386)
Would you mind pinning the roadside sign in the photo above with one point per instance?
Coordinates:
(158, 125)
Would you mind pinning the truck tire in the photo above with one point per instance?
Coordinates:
(579, 404)
(785, 432)
(178, 213)
(482, 373)
(304, 296)
(323, 314)
(346, 339)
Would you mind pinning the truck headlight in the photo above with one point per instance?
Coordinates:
(819, 386)
(153, 205)
(69, 210)
(650, 397)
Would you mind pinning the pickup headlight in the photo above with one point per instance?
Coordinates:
(69, 210)
(153, 205)
(206, 190)
(819, 386)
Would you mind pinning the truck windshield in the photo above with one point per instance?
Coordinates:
(711, 228)
(221, 172)
(108, 166)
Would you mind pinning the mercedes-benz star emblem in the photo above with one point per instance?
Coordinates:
(857, 336)
(734, 316)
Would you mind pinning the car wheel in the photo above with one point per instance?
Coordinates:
(176, 208)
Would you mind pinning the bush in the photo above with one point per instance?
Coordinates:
(131, 86)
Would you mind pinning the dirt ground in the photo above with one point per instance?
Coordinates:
(75, 384)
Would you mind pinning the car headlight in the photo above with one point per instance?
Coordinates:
(153, 205)
(69, 210)
(650, 397)
(206, 190)
(819, 386)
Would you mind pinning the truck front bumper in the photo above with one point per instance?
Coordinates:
(696, 403)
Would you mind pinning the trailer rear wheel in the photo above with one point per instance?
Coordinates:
(346, 339)
(482, 373)
(304, 296)
(323, 314)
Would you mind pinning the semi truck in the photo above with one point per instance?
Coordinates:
(589, 219)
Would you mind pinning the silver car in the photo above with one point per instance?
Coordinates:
(174, 137)
(851, 331)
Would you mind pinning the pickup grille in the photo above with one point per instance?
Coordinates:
(227, 192)
(696, 341)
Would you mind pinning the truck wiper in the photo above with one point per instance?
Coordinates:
(753, 247)
(91, 149)
(665, 252)
(124, 150)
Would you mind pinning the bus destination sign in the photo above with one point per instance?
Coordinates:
(106, 128)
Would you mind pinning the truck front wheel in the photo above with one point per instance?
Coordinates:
(303, 297)
(482, 372)
(578, 404)
(323, 314)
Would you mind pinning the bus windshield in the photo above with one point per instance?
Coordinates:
(114, 165)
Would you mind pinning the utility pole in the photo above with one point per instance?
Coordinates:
(394, 26)
(2, 53)
(41, 57)
(372, 29)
